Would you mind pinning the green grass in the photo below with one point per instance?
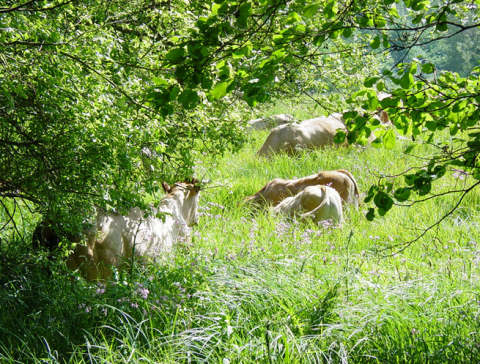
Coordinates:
(255, 288)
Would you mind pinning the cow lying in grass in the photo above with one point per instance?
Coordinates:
(115, 239)
(309, 134)
(318, 202)
(278, 189)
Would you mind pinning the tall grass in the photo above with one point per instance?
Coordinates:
(257, 288)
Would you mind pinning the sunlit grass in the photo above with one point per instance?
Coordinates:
(256, 288)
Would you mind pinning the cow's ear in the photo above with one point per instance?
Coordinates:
(166, 187)
(192, 187)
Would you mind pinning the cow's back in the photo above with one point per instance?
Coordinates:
(270, 122)
(343, 182)
(320, 132)
(310, 134)
(280, 138)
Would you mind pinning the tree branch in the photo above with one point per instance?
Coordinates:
(425, 231)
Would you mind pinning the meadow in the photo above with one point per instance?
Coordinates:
(256, 288)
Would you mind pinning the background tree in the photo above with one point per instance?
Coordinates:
(102, 100)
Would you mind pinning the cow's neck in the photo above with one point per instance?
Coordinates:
(180, 197)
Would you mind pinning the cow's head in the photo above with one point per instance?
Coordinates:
(187, 193)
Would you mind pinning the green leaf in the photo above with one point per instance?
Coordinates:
(352, 137)
(340, 137)
(377, 143)
(410, 179)
(413, 68)
(166, 110)
(293, 18)
(375, 43)
(416, 5)
(370, 214)
(279, 53)
(382, 212)
(181, 72)
(300, 28)
(385, 41)
(439, 171)
(176, 55)
(318, 40)
(159, 81)
(335, 34)
(410, 148)
(330, 10)
(372, 103)
(207, 82)
(393, 12)
(453, 129)
(402, 194)
(310, 10)
(441, 27)
(389, 140)
(350, 114)
(418, 18)
(173, 93)
(407, 81)
(383, 201)
(423, 185)
(245, 11)
(189, 99)
(238, 53)
(347, 32)
(218, 92)
(371, 193)
(380, 21)
(369, 82)
(359, 94)
(431, 125)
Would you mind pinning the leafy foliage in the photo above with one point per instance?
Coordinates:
(101, 101)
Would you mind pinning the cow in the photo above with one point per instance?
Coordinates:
(278, 189)
(114, 240)
(269, 122)
(309, 134)
(317, 202)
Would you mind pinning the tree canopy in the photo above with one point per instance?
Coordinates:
(101, 100)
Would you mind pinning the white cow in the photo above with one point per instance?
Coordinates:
(317, 202)
(115, 239)
(309, 134)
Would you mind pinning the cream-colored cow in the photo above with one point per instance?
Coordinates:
(309, 134)
(318, 202)
(115, 239)
(278, 189)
